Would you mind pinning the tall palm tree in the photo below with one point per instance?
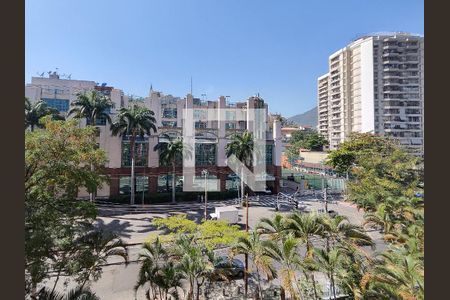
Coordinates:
(339, 230)
(158, 271)
(329, 262)
(193, 264)
(257, 249)
(91, 105)
(132, 122)
(171, 151)
(275, 228)
(285, 251)
(241, 146)
(34, 112)
(99, 246)
(305, 227)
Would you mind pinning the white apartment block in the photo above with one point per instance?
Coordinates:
(211, 136)
(375, 84)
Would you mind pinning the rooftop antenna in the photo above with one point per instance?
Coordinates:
(191, 86)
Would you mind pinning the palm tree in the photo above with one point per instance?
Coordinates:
(132, 122)
(339, 230)
(275, 228)
(98, 247)
(285, 251)
(192, 262)
(91, 105)
(257, 249)
(242, 147)
(329, 262)
(171, 151)
(305, 227)
(398, 275)
(78, 293)
(159, 271)
(34, 112)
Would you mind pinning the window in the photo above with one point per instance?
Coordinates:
(205, 154)
(269, 154)
(101, 121)
(230, 126)
(170, 113)
(232, 182)
(62, 105)
(140, 152)
(169, 123)
(141, 184)
(200, 124)
(165, 184)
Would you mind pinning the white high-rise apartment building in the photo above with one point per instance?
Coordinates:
(375, 84)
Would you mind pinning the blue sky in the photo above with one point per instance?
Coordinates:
(234, 48)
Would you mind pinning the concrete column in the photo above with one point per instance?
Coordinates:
(114, 186)
(222, 142)
(152, 183)
(277, 142)
(153, 156)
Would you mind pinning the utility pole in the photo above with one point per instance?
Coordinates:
(205, 173)
(246, 254)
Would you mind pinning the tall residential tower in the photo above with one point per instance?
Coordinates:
(375, 84)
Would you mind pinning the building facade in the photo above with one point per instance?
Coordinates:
(375, 84)
(152, 176)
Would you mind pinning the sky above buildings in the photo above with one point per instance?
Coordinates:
(233, 48)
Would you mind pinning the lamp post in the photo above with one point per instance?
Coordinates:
(205, 173)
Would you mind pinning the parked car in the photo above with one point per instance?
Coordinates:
(228, 269)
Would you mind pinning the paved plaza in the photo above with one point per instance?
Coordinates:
(133, 225)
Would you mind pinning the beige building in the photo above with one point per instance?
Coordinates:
(375, 84)
(211, 136)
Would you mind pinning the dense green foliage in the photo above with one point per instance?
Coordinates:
(308, 139)
(59, 230)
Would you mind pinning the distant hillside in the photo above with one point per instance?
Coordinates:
(308, 118)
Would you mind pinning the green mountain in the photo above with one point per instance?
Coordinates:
(308, 118)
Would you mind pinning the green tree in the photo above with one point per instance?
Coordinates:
(310, 140)
(132, 122)
(380, 169)
(330, 263)
(285, 251)
(34, 112)
(91, 105)
(257, 249)
(275, 227)
(241, 146)
(171, 151)
(56, 167)
(78, 293)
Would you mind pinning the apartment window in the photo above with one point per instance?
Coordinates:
(62, 105)
(205, 154)
(140, 152)
(169, 123)
(169, 113)
(101, 121)
(141, 185)
(200, 114)
(412, 111)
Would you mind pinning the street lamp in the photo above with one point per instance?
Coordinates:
(205, 173)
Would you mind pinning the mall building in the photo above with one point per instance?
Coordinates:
(211, 136)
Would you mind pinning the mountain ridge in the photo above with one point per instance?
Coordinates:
(308, 118)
